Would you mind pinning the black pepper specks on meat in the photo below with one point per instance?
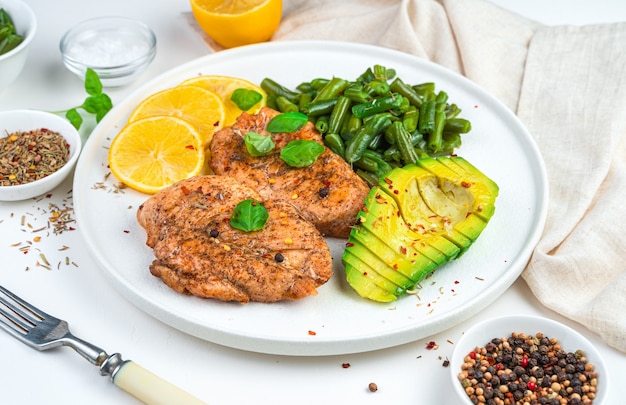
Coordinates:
(323, 192)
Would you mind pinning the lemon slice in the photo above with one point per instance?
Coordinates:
(201, 108)
(237, 22)
(224, 86)
(152, 153)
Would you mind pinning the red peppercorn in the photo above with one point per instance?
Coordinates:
(531, 386)
(524, 362)
(472, 355)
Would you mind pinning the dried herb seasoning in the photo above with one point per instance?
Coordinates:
(27, 156)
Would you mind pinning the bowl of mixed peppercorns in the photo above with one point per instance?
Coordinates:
(38, 150)
(526, 360)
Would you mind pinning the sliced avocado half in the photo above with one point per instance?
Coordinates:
(416, 219)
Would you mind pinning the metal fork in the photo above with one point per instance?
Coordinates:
(41, 331)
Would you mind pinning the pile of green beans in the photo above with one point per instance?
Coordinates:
(376, 122)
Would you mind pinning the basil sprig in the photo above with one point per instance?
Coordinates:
(258, 145)
(287, 122)
(245, 99)
(249, 215)
(301, 152)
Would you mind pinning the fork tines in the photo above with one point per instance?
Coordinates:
(17, 315)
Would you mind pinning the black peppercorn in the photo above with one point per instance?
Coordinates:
(279, 258)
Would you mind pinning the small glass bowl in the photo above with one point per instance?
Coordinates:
(29, 120)
(116, 48)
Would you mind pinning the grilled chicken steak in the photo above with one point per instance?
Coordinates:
(328, 193)
(198, 252)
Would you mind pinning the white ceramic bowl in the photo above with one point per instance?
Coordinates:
(12, 62)
(116, 48)
(27, 120)
(482, 333)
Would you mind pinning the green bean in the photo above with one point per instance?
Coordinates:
(449, 142)
(270, 86)
(270, 101)
(317, 108)
(284, 105)
(435, 137)
(318, 83)
(370, 178)
(352, 127)
(383, 166)
(407, 91)
(424, 88)
(356, 93)
(458, 125)
(377, 105)
(403, 143)
(305, 87)
(339, 114)
(442, 97)
(410, 118)
(366, 164)
(335, 143)
(356, 146)
(304, 99)
(366, 76)
(332, 89)
(383, 73)
(452, 111)
(376, 88)
(426, 121)
(322, 124)
(392, 154)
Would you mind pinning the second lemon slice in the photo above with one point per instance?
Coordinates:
(202, 108)
(152, 153)
(224, 86)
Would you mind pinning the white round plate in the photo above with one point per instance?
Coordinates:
(336, 321)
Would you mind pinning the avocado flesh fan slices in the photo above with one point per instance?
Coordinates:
(416, 219)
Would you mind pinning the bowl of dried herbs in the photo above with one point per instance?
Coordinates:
(38, 150)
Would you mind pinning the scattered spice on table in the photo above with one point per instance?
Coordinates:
(372, 387)
(524, 368)
(27, 156)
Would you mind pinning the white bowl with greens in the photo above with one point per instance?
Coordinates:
(17, 30)
(38, 150)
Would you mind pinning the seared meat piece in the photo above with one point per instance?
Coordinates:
(198, 252)
(327, 193)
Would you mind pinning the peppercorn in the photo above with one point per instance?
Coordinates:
(524, 369)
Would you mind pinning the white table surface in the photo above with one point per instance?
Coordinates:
(408, 374)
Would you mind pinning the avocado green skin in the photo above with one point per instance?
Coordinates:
(416, 219)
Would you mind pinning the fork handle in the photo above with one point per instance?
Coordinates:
(150, 388)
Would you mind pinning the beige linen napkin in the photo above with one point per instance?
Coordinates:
(568, 86)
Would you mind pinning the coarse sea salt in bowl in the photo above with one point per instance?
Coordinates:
(37, 132)
(527, 377)
(116, 48)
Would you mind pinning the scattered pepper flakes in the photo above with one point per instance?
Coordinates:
(312, 333)
(345, 365)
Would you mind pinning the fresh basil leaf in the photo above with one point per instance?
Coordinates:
(93, 85)
(301, 152)
(249, 215)
(245, 99)
(287, 122)
(74, 118)
(258, 145)
(98, 103)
